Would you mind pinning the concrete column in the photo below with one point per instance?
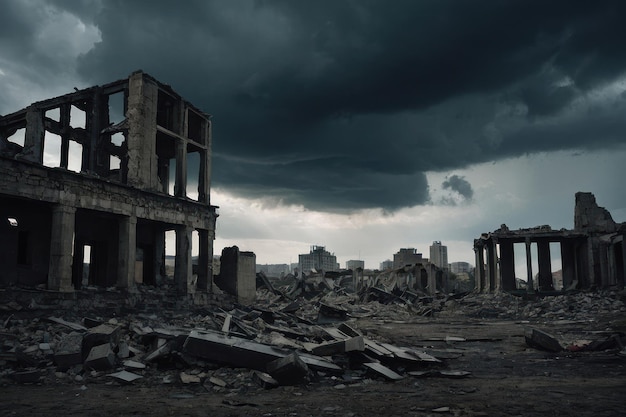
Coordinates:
(142, 127)
(205, 262)
(34, 136)
(180, 187)
(529, 266)
(183, 267)
(545, 267)
(492, 263)
(127, 247)
(65, 137)
(568, 262)
(203, 178)
(479, 271)
(60, 268)
(507, 265)
(603, 260)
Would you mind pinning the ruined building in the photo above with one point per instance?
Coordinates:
(318, 259)
(592, 254)
(407, 256)
(96, 178)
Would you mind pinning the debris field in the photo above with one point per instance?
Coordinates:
(327, 352)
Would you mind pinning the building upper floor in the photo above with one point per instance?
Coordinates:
(136, 132)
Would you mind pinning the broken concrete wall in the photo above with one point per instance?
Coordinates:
(590, 218)
(237, 274)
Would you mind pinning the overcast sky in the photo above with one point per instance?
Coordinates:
(364, 126)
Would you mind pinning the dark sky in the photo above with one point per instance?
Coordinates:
(339, 105)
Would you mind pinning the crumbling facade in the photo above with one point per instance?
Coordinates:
(407, 256)
(592, 254)
(97, 178)
(238, 274)
(318, 259)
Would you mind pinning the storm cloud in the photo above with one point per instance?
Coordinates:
(459, 185)
(340, 105)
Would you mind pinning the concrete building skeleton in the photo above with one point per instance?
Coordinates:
(127, 152)
(592, 254)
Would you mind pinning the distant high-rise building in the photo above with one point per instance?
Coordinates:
(319, 259)
(460, 267)
(407, 256)
(354, 264)
(385, 265)
(439, 255)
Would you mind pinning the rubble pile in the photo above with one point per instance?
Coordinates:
(303, 333)
(568, 306)
(279, 342)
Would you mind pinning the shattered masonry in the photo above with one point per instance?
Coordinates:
(122, 180)
(592, 254)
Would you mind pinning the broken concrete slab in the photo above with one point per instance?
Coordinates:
(380, 370)
(73, 326)
(218, 382)
(244, 353)
(289, 370)
(264, 380)
(99, 335)
(340, 346)
(331, 314)
(125, 376)
(231, 350)
(100, 358)
(134, 364)
(539, 339)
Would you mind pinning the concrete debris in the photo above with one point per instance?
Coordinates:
(264, 380)
(125, 376)
(289, 370)
(100, 358)
(379, 369)
(539, 339)
(281, 341)
(186, 378)
(356, 343)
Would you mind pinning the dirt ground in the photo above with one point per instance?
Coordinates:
(507, 378)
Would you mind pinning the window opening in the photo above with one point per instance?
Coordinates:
(77, 117)
(556, 265)
(75, 157)
(54, 114)
(193, 173)
(86, 265)
(52, 150)
(170, 253)
(116, 107)
(18, 137)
